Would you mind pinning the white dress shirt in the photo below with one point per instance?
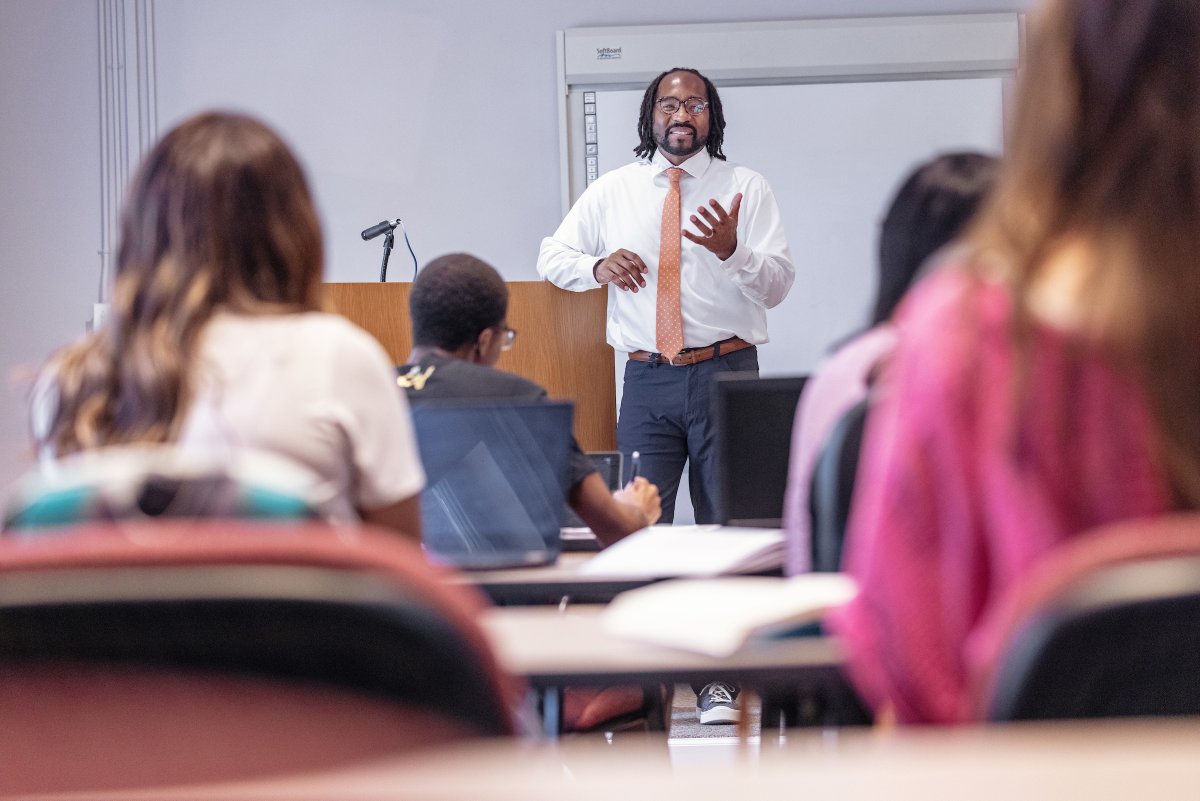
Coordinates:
(720, 299)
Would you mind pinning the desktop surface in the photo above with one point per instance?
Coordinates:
(549, 646)
(1099, 761)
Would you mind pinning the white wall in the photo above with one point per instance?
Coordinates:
(50, 185)
(441, 113)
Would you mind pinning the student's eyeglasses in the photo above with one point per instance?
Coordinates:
(693, 105)
(510, 336)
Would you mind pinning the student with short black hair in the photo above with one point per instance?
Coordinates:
(459, 309)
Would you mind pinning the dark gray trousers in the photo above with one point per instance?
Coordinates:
(666, 415)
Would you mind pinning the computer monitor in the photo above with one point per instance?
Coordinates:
(609, 464)
(496, 481)
(753, 427)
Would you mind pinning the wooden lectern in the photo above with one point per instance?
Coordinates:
(560, 343)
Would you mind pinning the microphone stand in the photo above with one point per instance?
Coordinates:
(388, 240)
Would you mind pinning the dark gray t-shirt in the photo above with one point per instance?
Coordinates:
(439, 378)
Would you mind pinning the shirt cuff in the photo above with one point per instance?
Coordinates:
(739, 260)
(593, 263)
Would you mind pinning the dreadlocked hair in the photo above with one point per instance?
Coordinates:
(716, 130)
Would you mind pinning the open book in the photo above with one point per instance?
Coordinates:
(664, 551)
(717, 616)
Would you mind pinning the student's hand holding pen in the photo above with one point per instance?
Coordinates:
(643, 495)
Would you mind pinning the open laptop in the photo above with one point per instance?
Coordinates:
(496, 476)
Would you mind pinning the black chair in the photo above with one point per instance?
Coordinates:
(832, 488)
(1109, 626)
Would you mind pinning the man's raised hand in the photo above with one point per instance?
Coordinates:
(718, 229)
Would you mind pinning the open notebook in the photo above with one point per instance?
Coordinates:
(718, 616)
(662, 551)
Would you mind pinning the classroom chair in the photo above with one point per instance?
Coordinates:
(150, 654)
(832, 488)
(1105, 627)
(157, 481)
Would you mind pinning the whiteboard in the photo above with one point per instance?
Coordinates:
(833, 112)
(834, 155)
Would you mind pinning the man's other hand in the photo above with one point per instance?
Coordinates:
(623, 268)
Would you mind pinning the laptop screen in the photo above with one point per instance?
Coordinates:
(496, 481)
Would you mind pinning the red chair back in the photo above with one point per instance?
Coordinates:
(1106, 626)
(198, 651)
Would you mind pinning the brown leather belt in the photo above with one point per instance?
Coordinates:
(693, 355)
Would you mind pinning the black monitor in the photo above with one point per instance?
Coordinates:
(753, 427)
(609, 464)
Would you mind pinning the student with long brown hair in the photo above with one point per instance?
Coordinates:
(216, 341)
(1048, 382)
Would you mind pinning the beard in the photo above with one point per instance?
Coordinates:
(664, 142)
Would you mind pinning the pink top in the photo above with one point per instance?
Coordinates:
(836, 387)
(962, 489)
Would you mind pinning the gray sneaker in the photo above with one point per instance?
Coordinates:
(718, 703)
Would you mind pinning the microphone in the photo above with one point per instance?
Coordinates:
(385, 227)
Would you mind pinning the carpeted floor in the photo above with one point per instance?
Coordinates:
(685, 725)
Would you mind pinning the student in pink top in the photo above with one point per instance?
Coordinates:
(929, 210)
(1047, 383)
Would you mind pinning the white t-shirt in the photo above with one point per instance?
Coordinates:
(311, 387)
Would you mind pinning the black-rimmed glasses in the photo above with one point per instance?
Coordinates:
(694, 106)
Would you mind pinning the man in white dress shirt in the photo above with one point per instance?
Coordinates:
(719, 275)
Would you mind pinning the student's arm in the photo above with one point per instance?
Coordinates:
(403, 517)
(612, 516)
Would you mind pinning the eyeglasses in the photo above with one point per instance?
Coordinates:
(510, 336)
(693, 105)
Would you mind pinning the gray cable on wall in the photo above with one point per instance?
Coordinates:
(128, 110)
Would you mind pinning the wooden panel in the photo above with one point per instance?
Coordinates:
(560, 343)
(382, 309)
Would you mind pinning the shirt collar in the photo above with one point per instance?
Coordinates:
(695, 166)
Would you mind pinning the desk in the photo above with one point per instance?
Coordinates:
(552, 649)
(549, 584)
(1099, 761)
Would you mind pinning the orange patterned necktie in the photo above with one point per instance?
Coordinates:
(668, 332)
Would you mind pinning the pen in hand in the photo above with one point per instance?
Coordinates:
(636, 458)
